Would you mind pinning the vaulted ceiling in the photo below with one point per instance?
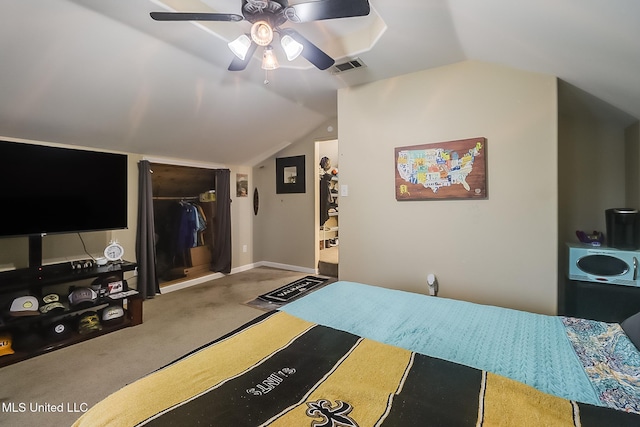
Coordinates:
(103, 74)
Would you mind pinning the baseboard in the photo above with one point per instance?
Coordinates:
(190, 282)
(246, 267)
(287, 267)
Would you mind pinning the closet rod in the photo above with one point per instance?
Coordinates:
(176, 198)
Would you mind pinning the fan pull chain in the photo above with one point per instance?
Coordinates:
(266, 77)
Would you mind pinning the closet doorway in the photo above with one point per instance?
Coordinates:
(184, 218)
(328, 209)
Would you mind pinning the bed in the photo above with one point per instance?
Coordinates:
(351, 354)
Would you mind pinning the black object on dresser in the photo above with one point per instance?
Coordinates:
(597, 301)
(37, 314)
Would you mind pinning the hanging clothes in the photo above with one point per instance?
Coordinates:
(325, 197)
(188, 223)
(201, 225)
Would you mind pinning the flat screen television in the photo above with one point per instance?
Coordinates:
(51, 190)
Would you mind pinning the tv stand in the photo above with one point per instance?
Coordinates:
(60, 279)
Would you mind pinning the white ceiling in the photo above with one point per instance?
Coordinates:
(102, 73)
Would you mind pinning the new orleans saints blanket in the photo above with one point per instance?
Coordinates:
(575, 359)
(280, 370)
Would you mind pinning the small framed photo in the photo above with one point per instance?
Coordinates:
(290, 175)
(242, 185)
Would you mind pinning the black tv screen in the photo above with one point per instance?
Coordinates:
(49, 190)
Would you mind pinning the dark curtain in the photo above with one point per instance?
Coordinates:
(148, 285)
(222, 234)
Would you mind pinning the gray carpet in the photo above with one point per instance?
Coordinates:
(77, 377)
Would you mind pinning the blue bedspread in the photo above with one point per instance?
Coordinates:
(530, 348)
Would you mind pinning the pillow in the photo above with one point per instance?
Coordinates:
(631, 326)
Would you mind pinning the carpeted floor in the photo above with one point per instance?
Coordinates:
(77, 377)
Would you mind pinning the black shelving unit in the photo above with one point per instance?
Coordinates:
(597, 301)
(38, 281)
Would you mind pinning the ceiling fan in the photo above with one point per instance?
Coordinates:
(266, 17)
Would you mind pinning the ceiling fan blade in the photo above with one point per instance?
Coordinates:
(326, 9)
(179, 16)
(238, 64)
(310, 51)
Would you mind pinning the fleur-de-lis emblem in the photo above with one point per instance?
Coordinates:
(253, 391)
(337, 416)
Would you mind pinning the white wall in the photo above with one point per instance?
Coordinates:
(502, 250)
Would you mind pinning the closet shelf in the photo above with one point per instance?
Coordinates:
(175, 198)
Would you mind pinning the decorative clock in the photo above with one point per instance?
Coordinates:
(114, 252)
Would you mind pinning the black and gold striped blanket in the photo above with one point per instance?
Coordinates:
(280, 370)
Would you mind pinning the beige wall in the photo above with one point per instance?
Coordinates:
(598, 165)
(591, 177)
(632, 147)
(58, 248)
(241, 220)
(67, 247)
(594, 161)
(284, 229)
(591, 173)
(502, 250)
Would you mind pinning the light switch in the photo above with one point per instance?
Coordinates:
(344, 190)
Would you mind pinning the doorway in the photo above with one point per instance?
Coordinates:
(327, 225)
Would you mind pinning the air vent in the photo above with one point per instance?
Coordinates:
(352, 64)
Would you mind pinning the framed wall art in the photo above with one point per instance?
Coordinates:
(242, 185)
(442, 170)
(290, 175)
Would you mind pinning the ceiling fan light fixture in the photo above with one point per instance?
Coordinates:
(262, 33)
(269, 60)
(292, 48)
(240, 46)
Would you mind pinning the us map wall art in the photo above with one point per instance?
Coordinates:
(442, 170)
